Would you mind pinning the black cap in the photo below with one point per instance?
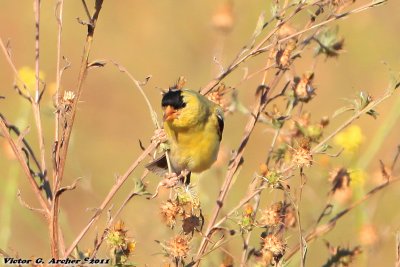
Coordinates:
(173, 98)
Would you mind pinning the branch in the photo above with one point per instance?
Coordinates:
(120, 181)
(61, 148)
(18, 153)
(321, 230)
(233, 166)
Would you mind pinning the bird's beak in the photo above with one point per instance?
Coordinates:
(170, 113)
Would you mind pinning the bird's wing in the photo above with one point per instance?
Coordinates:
(159, 166)
(220, 119)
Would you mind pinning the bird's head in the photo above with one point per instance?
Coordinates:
(184, 108)
(172, 104)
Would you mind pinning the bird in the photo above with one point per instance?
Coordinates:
(193, 126)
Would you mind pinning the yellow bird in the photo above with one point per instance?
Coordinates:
(193, 126)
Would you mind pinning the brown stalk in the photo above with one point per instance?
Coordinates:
(120, 181)
(321, 230)
(35, 102)
(233, 167)
(36, 112)
(62, 147)
(258, 49)
(20, 156)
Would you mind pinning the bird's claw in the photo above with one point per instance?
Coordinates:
(170, 180)
(159, 136)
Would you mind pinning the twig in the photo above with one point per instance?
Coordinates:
(233, 166)
(258, 49)
(327, 227)
(18, 153)
(59, 17)
(372, 105)
(139, 87)
(111, 220)
(395, 158)
(62, 147)
(302, 242)
(120, 181)
(24, 204)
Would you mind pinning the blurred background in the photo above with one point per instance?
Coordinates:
(168, 39)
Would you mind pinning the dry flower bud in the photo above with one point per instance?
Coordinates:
(272, 216)
(274, 245)
(302, 157)
(340, 179)
(169, 212)
(283, 55)
(219, 97)
(303, 88)
(178, 247)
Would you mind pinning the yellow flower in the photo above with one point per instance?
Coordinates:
(350, 139)
(357, 177)
(28, 77)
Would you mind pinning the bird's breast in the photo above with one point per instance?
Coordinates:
(194, 150)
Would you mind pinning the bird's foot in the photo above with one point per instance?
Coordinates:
(170, 180)
(159, 136)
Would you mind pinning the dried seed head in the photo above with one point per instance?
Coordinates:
(116, 237)
(219, 97)
(121, 247)
(283, 56)
(180, 83)
(187, 198)
(69, 97)
(340, 179)
(272, 216)
(169, 212)
(178, 247)
(303, 88)
(190, 224)
(302, 157)
(273, 244)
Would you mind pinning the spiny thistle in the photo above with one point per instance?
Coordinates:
(121, 247)
(271, 216)
(178, 247)
(272, 249)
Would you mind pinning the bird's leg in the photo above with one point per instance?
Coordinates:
(185, 174)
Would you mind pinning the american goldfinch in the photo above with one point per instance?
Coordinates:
(193, 126)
